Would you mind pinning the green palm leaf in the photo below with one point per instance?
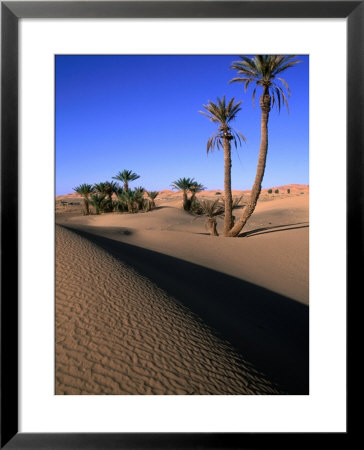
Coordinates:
(262, 70)
(222, 113)
(84, 189)
(126, 176)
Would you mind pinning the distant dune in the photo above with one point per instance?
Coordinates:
(150, 303)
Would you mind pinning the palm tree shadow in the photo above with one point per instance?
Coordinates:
(274, 229)
(269, 330)
(156, 208)
(240, 207)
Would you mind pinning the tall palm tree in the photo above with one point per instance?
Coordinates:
(125, 176)
(85, 190)
(184, 185)
(262, 71)
(222, 113)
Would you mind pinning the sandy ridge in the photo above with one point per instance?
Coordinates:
(118, 333)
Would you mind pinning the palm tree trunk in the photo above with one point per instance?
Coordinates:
(213, 226)
(87, 209)
(185, 201)
(228, 220)
(265, 101)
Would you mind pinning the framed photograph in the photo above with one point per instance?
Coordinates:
(166, 281)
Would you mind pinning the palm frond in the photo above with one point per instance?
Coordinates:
(212, 208)
(236, 201)
(183, 184)
(197, 187)
(152, 194)
(126, 175)
(101, 188)
(214, 141)
(262, 70)
(223, 113)
(84, 189)
(285, 84)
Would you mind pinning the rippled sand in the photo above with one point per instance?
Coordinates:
(119, 333)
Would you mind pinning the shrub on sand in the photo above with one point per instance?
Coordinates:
(212, 209)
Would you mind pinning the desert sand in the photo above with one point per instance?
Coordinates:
(150, 303)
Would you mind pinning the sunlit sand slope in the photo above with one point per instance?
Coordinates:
(118, 333)
(273, 251)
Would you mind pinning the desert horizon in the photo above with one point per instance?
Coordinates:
(294, 188)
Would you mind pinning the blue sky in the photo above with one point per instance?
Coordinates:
(135, 112)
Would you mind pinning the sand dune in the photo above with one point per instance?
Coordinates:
(150, 303)
(274, 254)
(118, 333)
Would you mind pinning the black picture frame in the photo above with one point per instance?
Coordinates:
(11, 12)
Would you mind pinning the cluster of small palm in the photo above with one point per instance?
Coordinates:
(132, 201)
(188, 186)
(212, 209)
(101, 197)
(109, 196)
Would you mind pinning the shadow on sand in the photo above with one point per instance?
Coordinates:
(269, 330)
(274, 229)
